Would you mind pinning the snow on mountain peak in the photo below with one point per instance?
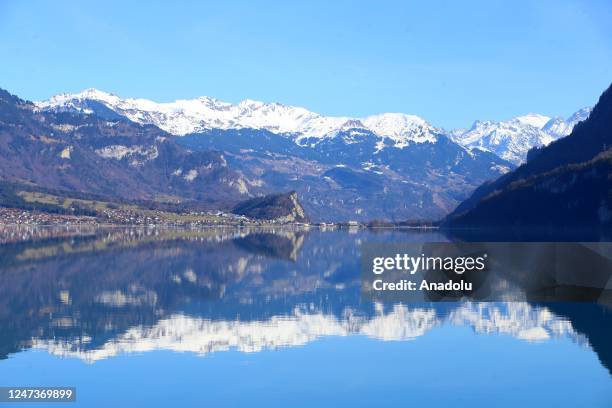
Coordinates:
(580, 115)
(533, 119)
(510, 139)
(187, 116)
(401, 128)
(68, 99)
(559, 127)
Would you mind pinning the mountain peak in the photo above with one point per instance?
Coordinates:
(509, 139)
(533, 119)
(573, 171)
(188, 116)
(580, 115)
(95, 92)
(512, 139)
(74, 100)
(402, 128)
(92, 93)
(353, 124)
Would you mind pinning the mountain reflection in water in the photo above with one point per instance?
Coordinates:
(97, 293)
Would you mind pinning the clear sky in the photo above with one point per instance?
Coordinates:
(448, 61)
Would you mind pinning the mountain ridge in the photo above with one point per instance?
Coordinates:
(566, 183)
(188, 116)
(511, 139)
(118, 158)
(416, 172)
(344, 175)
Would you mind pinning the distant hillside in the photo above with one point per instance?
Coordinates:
(115, 158)
(279, 207)
(566, 184)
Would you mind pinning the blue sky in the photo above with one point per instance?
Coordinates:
(450, 62)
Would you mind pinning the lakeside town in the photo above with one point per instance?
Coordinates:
(15, 216)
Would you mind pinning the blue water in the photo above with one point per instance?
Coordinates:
(448, 366)
(260, 320)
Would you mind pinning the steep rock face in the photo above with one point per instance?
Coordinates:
(567, 183)
(115, 158)
(277, 207)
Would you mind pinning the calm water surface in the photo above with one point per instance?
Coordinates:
(224, 317)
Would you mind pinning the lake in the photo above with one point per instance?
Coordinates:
(273, 317)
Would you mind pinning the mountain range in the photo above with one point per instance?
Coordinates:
(210, 154)
(118, 159)
(565, 184)
(510, 139)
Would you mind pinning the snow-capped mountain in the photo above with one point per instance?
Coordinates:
(558, 127)
(401, 128)
(339, 172)
(512, 139)
(184, 117)
(341, 167)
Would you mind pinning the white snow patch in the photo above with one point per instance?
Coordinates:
(509, 139)
(191, 175)
(183, 117)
